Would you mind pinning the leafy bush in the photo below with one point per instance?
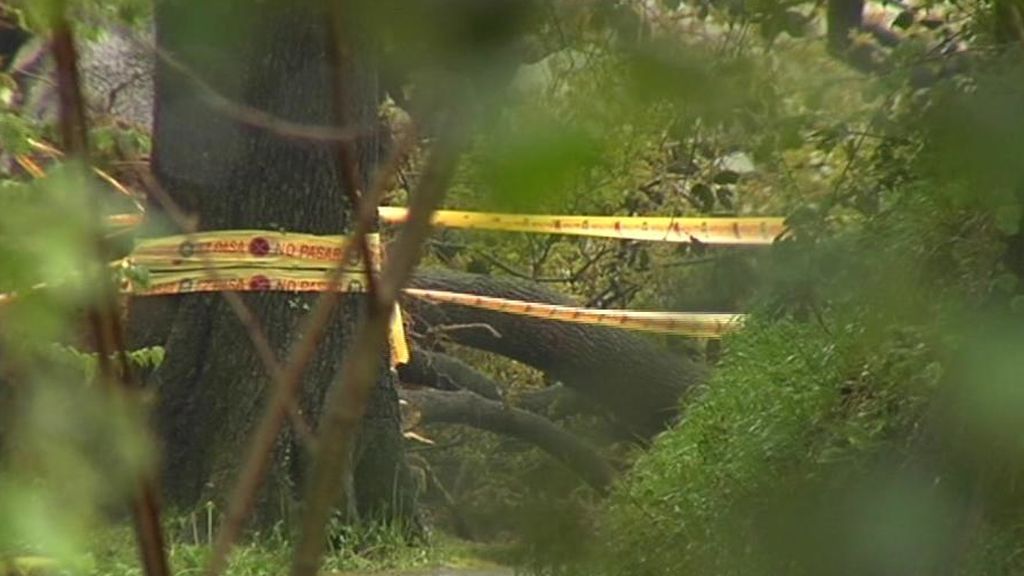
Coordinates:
(844, 431)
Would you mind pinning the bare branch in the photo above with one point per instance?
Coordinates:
(103, 316)
(340, 56)
(252, 325)
(465, 407)
(442, 328)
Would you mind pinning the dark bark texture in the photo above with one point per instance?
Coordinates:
(467, 408)
(444, 372)
(636, 382)
(556, 402)
(272, 56)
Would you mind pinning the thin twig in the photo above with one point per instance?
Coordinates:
(470, 326)
(346, 400)
(104, 319)
(340, 57)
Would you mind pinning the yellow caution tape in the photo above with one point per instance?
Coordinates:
(257, 261)
(736, 231)
(252, 261)
(728, 231)
(267, 279)
(700, 325)
(124, 220)
(246, 279)
(399, 344)
(252, 248)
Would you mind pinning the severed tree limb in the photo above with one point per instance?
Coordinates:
(466, 408)
(556, 402)
(444, 372)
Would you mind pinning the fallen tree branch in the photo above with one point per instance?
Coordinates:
(628, 375)
(557, 402)
(466, 408)
(444, 372)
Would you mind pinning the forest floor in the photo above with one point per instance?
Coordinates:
(383, 554)
(439, 571)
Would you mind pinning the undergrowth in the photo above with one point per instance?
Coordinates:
(850, 433)
(370, 548)
(787, 395)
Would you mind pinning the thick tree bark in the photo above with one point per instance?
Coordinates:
(272, 56)
(464, 407)
(444, 372)
(556, 402)
(635, 381)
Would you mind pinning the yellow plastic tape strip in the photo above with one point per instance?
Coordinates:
(248, 280)
(700, 325)
(736, 231)
(262, 280)
(252, 248)
(124, 220)
(399, 345)
(257, 260)
(729, 231)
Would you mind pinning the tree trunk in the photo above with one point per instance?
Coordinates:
(272, 56)
(632, 379)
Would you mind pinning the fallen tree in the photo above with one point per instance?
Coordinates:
(635, 382)
(465, 407)
(445, 390)
(619, 373)
(443, 372)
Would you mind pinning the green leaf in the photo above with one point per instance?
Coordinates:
(532, 167)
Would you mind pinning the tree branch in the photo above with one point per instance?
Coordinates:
(103, 315)
(556, 402)
(467, 408)
(636, 381)
(444, 372)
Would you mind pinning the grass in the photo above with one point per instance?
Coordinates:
(369, 549)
